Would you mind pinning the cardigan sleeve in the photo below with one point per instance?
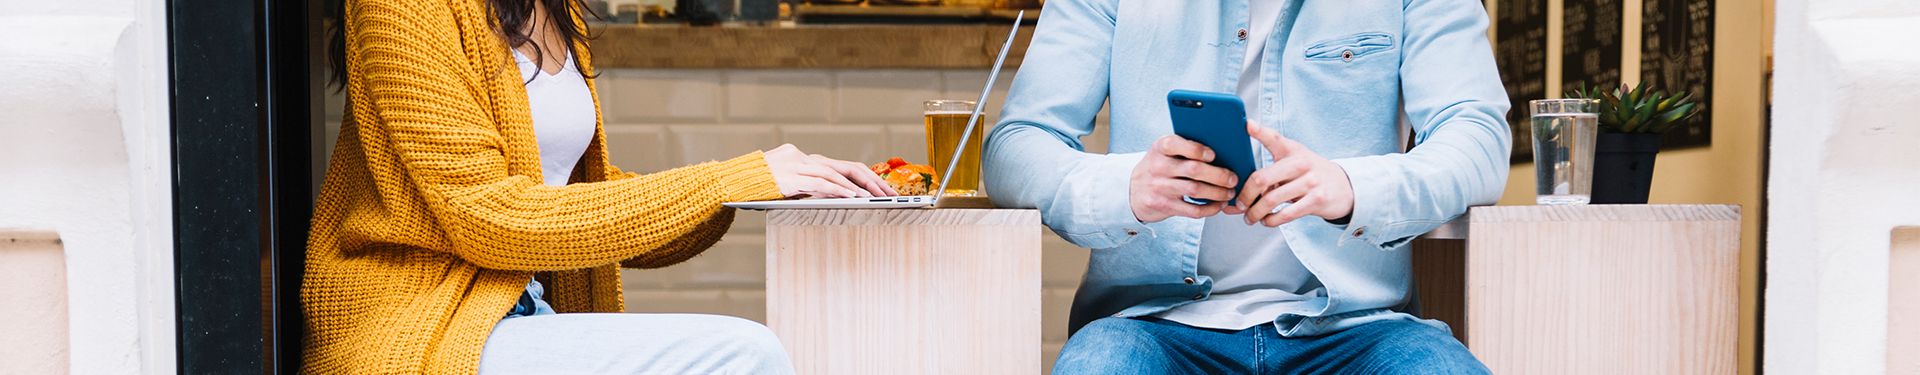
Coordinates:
(685, 247)
(410, 63)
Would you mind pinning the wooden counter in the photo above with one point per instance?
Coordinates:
(1590, 289)
(906, 291)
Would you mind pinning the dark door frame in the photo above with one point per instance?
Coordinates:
(242, 104)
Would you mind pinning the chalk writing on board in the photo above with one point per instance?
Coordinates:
(1676, 53)
(1590, 44)
(1520, 50)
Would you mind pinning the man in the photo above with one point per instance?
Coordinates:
(1312, 276)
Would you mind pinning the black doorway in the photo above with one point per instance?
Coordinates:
(242, 105)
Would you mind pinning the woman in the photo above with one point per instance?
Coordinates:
(467, 201)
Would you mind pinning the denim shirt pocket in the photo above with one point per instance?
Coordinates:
(1349, 48)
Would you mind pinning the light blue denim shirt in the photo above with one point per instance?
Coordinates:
(1340, 77)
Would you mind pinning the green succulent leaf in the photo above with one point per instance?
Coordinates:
(1640, 116)
(1638, 109)
(1677, 115)
(1664, 103)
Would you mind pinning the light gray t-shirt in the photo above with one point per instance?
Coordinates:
(1256, 276)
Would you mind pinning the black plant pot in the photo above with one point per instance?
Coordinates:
(1623, 167)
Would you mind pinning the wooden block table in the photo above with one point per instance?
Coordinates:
(906, 291)
(1604, 289)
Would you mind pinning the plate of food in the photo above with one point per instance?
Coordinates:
(906, 178)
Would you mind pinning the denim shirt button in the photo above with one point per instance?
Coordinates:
(1361, 231)
(1189, 280)
(1198, 296)
(1131, 233)
(1346, 56)
(1242, 34)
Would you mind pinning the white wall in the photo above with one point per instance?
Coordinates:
(1844, 170)
(83, 152)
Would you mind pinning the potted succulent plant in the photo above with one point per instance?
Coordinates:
(1632, 124)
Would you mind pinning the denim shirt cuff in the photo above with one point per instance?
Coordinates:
(1373, 189)
(1105, 218)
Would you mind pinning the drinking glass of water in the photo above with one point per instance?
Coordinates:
(1563, 134)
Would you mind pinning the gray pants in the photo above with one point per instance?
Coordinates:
(632, 344)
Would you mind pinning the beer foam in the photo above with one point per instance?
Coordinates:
(952, 113)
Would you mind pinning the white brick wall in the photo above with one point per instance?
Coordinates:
(659, 119)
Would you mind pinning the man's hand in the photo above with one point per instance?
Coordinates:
(1173, 168)
(1312, 184)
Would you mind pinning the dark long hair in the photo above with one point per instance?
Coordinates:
(509, 17)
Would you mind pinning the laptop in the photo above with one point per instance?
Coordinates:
(911, 201)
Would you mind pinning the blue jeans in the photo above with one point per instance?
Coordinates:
(1155, 346)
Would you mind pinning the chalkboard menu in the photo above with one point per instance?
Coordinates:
(1676, 53)
(1520, 49)
(1590, 45)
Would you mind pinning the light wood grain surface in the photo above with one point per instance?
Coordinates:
(1903, 302)
(905, 291)
(1604, 289)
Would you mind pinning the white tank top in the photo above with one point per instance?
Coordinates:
(563, 116)
(563, 124)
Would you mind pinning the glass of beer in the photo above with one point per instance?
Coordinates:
(946, 122)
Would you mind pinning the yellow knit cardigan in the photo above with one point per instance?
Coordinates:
(433, 214)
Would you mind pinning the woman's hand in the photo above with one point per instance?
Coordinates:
(801, 175)
(1311, 184)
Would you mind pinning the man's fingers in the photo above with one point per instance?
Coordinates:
(1258, 183)
(1286, 193)
(1197, 190)
(1271, 177)
(1207, 173)
(1185, 209)
(1167, 198)
(1299, 209)
(1175, 146)
(1277, 145)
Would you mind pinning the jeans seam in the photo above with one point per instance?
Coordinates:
(1259, 351)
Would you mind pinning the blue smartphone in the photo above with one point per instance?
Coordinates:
(1218, 121)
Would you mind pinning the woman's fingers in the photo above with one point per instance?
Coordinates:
(830, 183)
(864, 177)
(828, 189)
(856, 176)
(825, 170)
